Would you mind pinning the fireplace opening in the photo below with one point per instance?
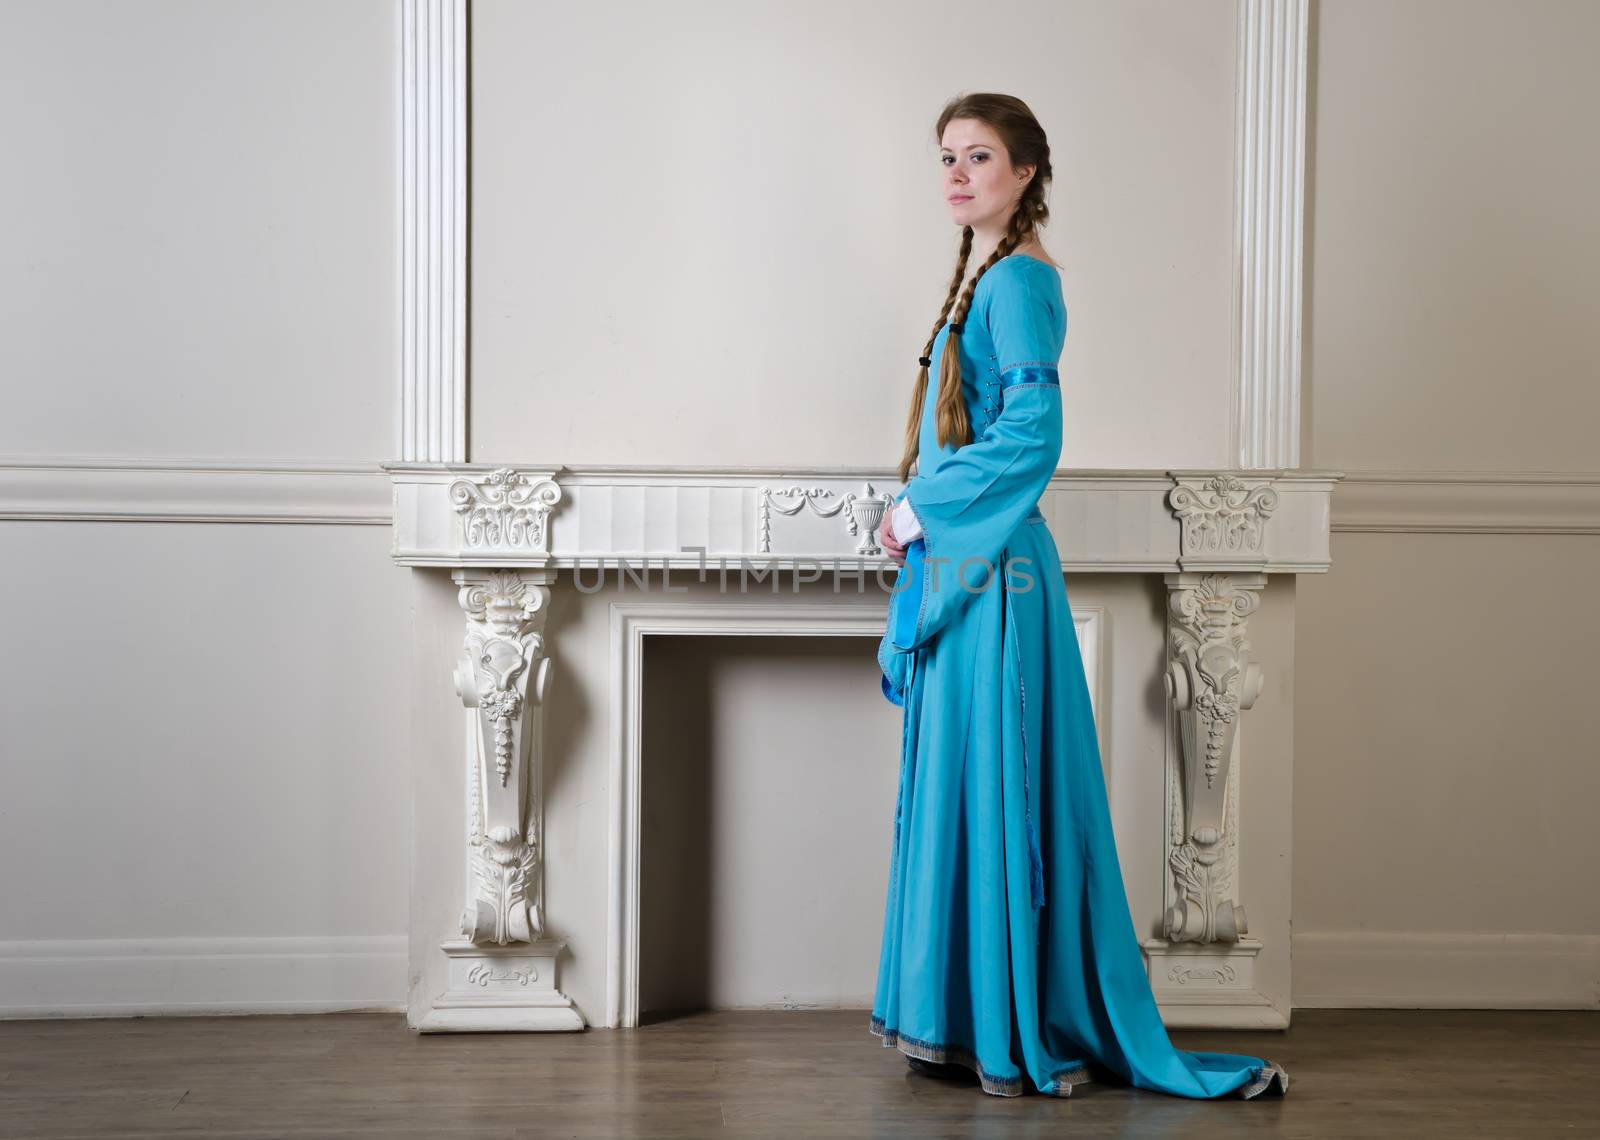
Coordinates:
(769, 769)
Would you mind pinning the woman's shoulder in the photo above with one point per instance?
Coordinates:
(1036, 256)
(1021, 271)
(1019, 277)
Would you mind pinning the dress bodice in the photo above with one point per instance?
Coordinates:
(981, 367)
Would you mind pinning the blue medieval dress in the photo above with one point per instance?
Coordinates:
(1008, 944)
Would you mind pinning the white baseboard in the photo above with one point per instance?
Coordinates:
(1398, 970)
(192, 976)
(196, 976)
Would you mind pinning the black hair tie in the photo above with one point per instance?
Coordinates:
(926, 362)
(955, 329)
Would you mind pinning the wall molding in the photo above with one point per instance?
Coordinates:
(431, 424)
(1390, 969)
(137, 489)
(1268, 230)
(89, 489)
(1467, 502)
(176, 976)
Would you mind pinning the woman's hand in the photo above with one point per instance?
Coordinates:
(886, 539)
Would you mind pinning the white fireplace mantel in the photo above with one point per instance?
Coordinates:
(1126, 521)
(506, 532)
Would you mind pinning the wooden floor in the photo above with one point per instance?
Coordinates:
(1362, 1073)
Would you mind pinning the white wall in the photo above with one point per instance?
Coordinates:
(201, 248)
(1445, 759)
(1454, 248)
(712, 232)
(203, 800)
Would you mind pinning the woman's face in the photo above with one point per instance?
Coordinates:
(980, 185)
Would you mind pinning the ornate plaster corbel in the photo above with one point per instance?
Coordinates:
(502, 971)
(1210, 681)
(502, 672)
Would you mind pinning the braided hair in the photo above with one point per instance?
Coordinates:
(1025, 144)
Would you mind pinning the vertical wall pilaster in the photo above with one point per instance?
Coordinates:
(1268, 228)
(431, 426)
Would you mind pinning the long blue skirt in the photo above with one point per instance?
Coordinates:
(1008, 945)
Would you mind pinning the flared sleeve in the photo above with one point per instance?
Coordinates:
(971, 503)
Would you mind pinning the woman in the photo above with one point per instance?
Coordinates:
(1008, 946)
